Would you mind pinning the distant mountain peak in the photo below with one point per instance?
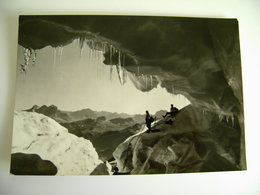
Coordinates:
(53, 106)
(86, 113)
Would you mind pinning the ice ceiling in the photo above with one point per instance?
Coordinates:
(198, 58)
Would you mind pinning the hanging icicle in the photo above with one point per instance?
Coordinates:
(111, 65)
(54, 56)
(34, 57)
(227, 119)
(60, 54)
(121, 72)
(233, 120)
(136, 61)
(146, 82)
(27, 55)
(220, 116)
(104, 47)
(151, 78)
(91, 56)
(81, 44)
(118, 67)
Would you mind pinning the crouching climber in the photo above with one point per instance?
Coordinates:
(173, 111)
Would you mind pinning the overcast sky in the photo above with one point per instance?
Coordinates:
(74, 81)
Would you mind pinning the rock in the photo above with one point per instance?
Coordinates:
(31, 164)
(187, 145)
(102, 169)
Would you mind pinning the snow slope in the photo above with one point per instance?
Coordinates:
(35, 133)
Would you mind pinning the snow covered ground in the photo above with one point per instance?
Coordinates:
(35, 133)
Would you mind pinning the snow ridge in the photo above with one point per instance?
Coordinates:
(35, 133)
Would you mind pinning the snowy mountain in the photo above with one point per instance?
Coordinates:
(105, 133)
(193, 141)
(35, 133)
(71, 116)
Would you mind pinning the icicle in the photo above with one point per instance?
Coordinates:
(118, 67)
(151, 78)
(54, 56)
(146, 82)
(23, 68)
(100, 54)
(120, 70)
(159, 80)
(227, 119)
(222, 116)
(60, 54)
(81, 44)
(111, 60)
(114, 50)
(138, 70)
(34, 57)
(111, 53)
(135, 60)
(111, 72)
(104, 46)
(233, 121)
(93, 44)
(88, 52)
(27, 56)
(91, 56)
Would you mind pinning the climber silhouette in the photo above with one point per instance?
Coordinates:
(173, 111)
(148, 120)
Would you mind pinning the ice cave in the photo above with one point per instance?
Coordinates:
(198, 58)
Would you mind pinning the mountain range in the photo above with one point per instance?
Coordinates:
(106, 130)
(72, 116)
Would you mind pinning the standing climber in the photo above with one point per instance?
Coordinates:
(148, 120)
(173, 111)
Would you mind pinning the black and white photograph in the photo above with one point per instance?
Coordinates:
(127, 95)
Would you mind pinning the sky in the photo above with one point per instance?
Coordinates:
(74, 79)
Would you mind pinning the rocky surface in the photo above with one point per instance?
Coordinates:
(189, 142)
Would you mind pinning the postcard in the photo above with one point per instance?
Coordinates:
(127, 95)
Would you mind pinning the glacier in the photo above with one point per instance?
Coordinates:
(34, 133)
